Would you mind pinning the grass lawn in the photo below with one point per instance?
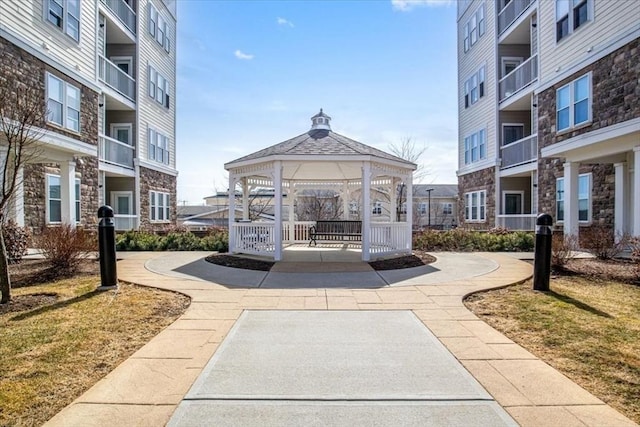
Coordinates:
(589, 329)
(58, 339)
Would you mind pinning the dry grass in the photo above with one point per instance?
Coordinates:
(58, 339)
(589, 329)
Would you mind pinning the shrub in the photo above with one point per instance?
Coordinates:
(601, 242)
(464, 240)
(217, 239)
(562, 248)
(177, 241)
(137, 241)
(65, 247)
(16, 240)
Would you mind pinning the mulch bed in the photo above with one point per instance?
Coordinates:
(621, 270)
(37, 271)
(418, 259)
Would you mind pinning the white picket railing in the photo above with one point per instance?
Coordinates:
(511, 12)
(517, 79)
(255, 238)
(298, 232)
(521, 151)
(125, 222)
(389, 237)
(113, 76)
(116, 152)
(523, 222)
(123, 11)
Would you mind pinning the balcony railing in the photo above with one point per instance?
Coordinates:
(116, 152)
(113, 76)
(523, 222)
(519, 78)
(518, 152)
(511, 12)
(125, 222)
(123, 11)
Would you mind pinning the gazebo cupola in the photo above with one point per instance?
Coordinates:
(320, 121)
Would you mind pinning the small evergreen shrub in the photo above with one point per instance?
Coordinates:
(137, 241)
(175, 240)
(16, 240)
(497, 240)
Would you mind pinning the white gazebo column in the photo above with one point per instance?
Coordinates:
(635, 210)
(291, 197)
(18, 199)
(571, 198)
(409, 213)
(232, 212)
(393, 209)
(620, 199)
(245, 199)
(277, 182)
(68, 193)
(366, 214)
(345, 200)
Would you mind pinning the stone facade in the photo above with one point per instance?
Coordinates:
(484, 179)
(152, 180)
(615, 94)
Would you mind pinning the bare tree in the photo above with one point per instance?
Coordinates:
(408, 150)
(22, 115)
(319, 205)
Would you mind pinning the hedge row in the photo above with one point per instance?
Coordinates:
(496, 240)
(215, 240)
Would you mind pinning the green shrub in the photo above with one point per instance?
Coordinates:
(176, 240)
(137, 241)
(465, 240)
(16, 240)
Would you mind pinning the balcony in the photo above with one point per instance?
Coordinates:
(116, 152)
(519, 78)
(123, 11)
(125, 222)
(518, 152)
(117, 79)
(523, 222)
(511, 12)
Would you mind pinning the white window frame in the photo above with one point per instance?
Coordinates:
(447, 208)
(505, 60)
(158, 87)
(505, 125)
(572, 103)
(560, 198)
(48, 199)
(475, 147)
(474, 87)
(474, 28)
(66, 88)
(504, 199)
(159, 28)
(67, 16)
(114, 201)
(113, 128)
(572, 6)
(159, 206)
(422, 208)
(158, 146)
(475, 212)
(376, 209)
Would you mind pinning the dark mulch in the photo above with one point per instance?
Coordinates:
(21, 303)
(37, 271)
(418, 259)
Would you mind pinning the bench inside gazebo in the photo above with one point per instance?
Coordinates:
(319, 160)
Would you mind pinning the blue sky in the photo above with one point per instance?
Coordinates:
(252, 73)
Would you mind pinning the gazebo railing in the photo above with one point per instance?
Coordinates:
(298, 232)
(255, 238)
(389, 237)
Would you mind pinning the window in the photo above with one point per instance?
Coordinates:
(158, 87)
(377, 208)
(54, 199)
(570, 15)
(158, 146)
(353, 207)
(475, 147)
(65, 14)
(158, 28)
(474, 28)
(584, 198)
(475, 203)
(512, 133)
(63, 103)
(158, 206)
(573, 104)
(447, 208)
(422, 208)
(474, 88)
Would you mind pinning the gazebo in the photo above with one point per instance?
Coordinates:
(319, 159)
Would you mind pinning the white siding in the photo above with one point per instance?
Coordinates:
(482, 114)
(612, 18)
(80, 57)
(151, 53)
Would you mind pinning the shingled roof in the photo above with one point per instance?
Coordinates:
(320, 141)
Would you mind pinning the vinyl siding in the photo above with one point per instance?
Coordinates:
(151, 53)
(612, 18)
(481, 114)
(59, 46)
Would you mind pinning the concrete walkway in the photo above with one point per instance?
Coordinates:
(147, 388)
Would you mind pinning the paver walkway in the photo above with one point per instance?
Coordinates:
(147, 388)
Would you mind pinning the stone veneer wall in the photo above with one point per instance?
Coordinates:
(157, 181)
(615, 94)
(484, 179)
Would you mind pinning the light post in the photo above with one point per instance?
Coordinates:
(429, 208)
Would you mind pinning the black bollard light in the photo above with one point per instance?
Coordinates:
(542, 257)
(107, 248)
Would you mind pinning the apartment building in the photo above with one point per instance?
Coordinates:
(105, 73)
(549, 113)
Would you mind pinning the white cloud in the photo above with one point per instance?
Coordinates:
(285, 22)
(407, 5)
(244, 56)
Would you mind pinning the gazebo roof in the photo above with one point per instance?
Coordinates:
(319, 142)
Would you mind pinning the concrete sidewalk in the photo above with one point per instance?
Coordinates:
(147, 388)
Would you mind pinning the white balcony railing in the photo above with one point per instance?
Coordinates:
(526, 73)
(511, 12)
(256, 238)
(123, 11)
(116, 152)
(296, 232)
(523, 222)
(518, 152)
(390, 237)
(125, 222)
(113, 76)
